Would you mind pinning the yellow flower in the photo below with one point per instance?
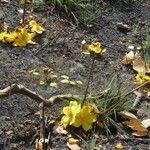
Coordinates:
(19, 37)
(119, 146)
(85, 118)
(25, 1)
(54, 85)
(4, 36)
(22, 37)
(70, 113)
(42, 82)
(35, 27)
(141, 78)
(34, 72)
(96, 48)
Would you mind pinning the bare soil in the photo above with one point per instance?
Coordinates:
(60, 48)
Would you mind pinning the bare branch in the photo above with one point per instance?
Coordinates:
(20, 89)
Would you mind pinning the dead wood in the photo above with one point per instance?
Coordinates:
(20, 89)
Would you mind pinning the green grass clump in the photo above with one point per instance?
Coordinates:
(113, 98)
(82, 11)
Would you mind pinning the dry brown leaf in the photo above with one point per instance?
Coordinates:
(10, 132)
(123, 26)
(73, 146)
(52, 121)
(126, 115)
(127, 60)
(134, 124)
(146, 123)
(136, 61)
(138, 64)
(39, 144)
(61, 130)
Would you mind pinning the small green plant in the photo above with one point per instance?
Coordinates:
(83, 12)
(83, 114)
(88, 12)
(65, 5)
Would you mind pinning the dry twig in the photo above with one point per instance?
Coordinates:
(20, 89)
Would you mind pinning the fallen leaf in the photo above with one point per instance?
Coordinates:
(131, 47)
(72, 141)
(37, 113)
(53, 76)
(83, 42)
(52, 121)
(72, 83)
(65, 81)
(79, 82)
(10, 132)
(39, 144)
(128, 59)
(13, 146)
(20, 11)
(54, 85)
(138, 64)
(123, 27)
(34, 72)
(146, 123)
(127, 114)
(119, 146)
(136, 61)
(133, 123)
(65, 77)
(42, 82)
(61, 130)
(73, 146)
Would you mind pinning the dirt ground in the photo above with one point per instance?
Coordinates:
(60, 48)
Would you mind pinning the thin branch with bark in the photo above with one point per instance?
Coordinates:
(20, 89)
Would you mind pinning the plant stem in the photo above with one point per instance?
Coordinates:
(24, 12)
(88, 82)
(42, 125)
(122, 98)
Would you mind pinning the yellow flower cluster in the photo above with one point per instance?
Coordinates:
(142, 78)
(21, 36)
(95, 48)
(77, 116)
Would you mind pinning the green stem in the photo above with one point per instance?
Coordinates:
(123, 97)
(88, 82)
